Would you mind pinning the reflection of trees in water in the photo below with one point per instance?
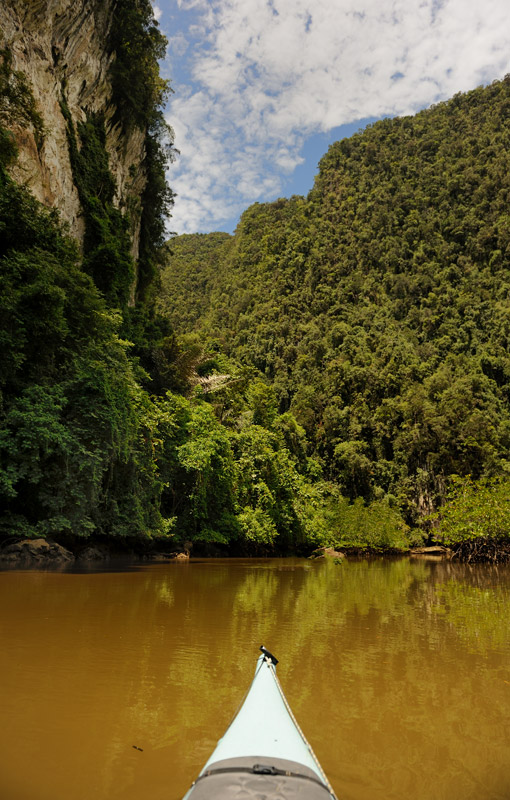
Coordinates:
(202, 647)
(388, 664)
(475, 601)
(373, 660)
(374, 663)
(398, 691)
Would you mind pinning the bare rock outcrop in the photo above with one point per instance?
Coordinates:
(60, 47)
(36, 553)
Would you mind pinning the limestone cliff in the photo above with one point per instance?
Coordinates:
(61, 47)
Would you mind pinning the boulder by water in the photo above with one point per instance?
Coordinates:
(328, 552)
(36, 552)
(174, 556)
(181, 553)
(438, 551)
(92, 553)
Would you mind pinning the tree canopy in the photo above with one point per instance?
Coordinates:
(318, 378)
(378, 306)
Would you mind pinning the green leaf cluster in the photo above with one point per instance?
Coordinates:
(475, 510)
(17, 104)
(137, 45)
(107, 243)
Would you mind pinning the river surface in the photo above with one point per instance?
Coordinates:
(397, 670)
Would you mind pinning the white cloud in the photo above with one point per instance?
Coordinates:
(157, 11)
(178, 44)
(265, 75)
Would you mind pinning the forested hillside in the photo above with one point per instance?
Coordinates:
(110, 429)
(317, 379)
(377, 308)
(75, 452)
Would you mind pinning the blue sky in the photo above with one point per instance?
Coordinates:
(262, 87)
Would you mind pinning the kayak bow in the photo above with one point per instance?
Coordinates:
(263, 753)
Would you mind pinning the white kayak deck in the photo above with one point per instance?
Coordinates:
(264, 727)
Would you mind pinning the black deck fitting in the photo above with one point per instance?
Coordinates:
(269, 655)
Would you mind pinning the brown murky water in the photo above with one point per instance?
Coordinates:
(398, 671)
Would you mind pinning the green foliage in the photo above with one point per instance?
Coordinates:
(157, 202)
(266, 483)
(377, 307)
(17, 104)
(376, 526)
(72, 456)
(257, 527)
(138, 45)
(206, 457)
(475, 510)
(233, 487)
(107, 243)
(196, 260)
(262, 402)
(334, 521)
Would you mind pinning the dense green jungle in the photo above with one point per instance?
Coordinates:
(334, 374)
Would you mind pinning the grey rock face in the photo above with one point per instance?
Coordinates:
(60, 46)
(35, 552)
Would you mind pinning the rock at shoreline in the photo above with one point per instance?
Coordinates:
(436, 550)
(175, 556)
(36, 552)
(327, 552)
(93, 554)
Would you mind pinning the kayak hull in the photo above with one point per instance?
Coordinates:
(263, 752)
(252, 777)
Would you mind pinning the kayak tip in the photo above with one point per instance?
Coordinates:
(269, 656)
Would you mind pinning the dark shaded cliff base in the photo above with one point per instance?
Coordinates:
(48, 554)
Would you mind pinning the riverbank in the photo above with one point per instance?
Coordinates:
(47, 554)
